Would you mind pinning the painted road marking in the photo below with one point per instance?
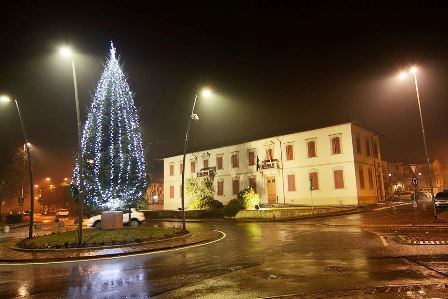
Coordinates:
(383, 240)
(117, 257)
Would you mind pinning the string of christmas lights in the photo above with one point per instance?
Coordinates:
(114, 164)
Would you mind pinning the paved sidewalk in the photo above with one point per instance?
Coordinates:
(10, 255)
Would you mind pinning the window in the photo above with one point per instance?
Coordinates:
(171, 169)
(251, 157)
(335, 145)
(311, 145)
(171, 191)
(253, 183)
(235, 186)
(314, 181)
(358, 145)
(205, 162)
(291, 182)
(235, 160)
(361, 178)
(181, 168)
(289, 152)
(219, 162)
(367, 147)
(370, 173)
(338, 179)
(221, 187)
(270, 154)
(193, 166)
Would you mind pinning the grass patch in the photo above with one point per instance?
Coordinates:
(94, 237)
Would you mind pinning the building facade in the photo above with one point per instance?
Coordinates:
(336, 165)
(398, 176)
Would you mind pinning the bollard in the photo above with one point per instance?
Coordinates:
(6, 229)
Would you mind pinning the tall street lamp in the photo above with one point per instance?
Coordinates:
(204, 93)
(403, 75)
(66, 52)
(6, 99)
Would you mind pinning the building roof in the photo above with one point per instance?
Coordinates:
(302, 127)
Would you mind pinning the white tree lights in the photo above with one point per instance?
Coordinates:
(114, 165)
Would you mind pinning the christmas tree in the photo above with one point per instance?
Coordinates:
(114, 165)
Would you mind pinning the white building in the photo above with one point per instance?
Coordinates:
(343, 162)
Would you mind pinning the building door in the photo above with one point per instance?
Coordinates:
(272, 193)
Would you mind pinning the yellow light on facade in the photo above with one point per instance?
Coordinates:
(48, 179)
(36, 186)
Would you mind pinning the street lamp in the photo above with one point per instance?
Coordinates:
(66, 52)
(204, 93)
(403, 75)
(6, 99)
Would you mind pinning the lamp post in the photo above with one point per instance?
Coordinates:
(30, 166)
(205, 93)
(66, 52)
(403, 75)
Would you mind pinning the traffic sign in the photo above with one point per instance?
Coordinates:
(414, 181)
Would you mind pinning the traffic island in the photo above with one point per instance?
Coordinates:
(98, 238)
(292, 213)
(10, 253)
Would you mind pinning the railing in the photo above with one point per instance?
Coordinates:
(270, 164)
(208, 171)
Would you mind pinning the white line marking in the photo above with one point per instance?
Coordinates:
(117, 257)
(384, 241)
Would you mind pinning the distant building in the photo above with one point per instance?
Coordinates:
(398, 176)
(154, 195)
(341, 162)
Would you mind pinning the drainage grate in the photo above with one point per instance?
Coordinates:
(335, 269)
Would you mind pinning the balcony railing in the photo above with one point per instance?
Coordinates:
(208, 171)
(266, 164)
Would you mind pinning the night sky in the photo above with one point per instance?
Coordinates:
(273, 66)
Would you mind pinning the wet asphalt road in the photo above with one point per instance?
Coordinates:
(254, 260)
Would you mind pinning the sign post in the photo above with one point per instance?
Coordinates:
(415, 184)
(20, 201)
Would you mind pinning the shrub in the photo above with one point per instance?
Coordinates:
(13, 218)
(208, 203)
(248, 198)
(232, 208)
(200, 191)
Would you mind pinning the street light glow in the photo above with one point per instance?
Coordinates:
(206, 92)
(413, 70)
(66, 52)
(48, 179)
(5, 99)
(403, 75)
(36, 186)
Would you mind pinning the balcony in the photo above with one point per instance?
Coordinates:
(266, 164)
(208, 171)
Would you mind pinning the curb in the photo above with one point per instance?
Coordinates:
(388, 289)
(14, 227)
(97, 247)
(218, 236)
(409, 241)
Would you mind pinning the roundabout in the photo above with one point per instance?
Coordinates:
(13, 255)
